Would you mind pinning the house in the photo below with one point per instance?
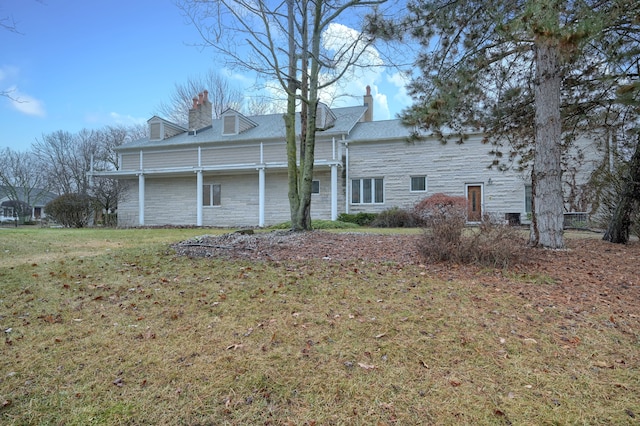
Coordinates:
(34, 200)
(232, 171)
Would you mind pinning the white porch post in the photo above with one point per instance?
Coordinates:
(347, 189)
(261, 196)
(141, 199)
(141, 191)
(199, 198)
(334, 192)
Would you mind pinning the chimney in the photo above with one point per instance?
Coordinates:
(368, 102)
(201, 112)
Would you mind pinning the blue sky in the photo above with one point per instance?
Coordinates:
(86, 64)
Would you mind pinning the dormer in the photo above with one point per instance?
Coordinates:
(160, 129)
(325, 118)
(234, 123)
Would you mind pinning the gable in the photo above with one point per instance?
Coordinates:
(160, 129)
(234, 123)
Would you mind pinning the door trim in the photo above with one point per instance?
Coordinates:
(466, 195)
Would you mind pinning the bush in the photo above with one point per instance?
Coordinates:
(70, 210)
(394, 217)
(444, 240)
(444, 218)
(496, 244)
(361, 219)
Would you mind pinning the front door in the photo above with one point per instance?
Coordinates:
(474, 203)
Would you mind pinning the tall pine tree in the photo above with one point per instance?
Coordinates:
(530, 73)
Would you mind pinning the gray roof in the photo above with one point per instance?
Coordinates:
(268, 127)
(379, 130)
(37, 196)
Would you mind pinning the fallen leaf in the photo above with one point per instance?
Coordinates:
(367, 366)
(234, 347)
(381, 335)
(602, 364)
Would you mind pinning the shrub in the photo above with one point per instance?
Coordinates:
(444, 240)
(394, 217)
(444, 219)
(70, 210)
(496, 244)
(362, 219)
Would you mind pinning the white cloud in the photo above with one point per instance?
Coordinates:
(401, 98)
(26, 104)
(126, 119)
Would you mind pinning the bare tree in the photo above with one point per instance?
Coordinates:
(282, 43)
(221, 94)
(108, 192)
(22, 180)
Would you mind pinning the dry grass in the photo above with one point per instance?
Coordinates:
(109, 327)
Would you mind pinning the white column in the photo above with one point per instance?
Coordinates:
(261, 196)
(334, 192)
(199, 198)
(347, 189)
(141, 199)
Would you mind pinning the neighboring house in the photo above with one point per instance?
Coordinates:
(232, 171)
(34, 198)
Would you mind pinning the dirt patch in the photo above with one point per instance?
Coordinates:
(301, 246)
(589, 274)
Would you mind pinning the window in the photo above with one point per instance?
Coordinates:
(367, 191)
(315, 187)
(418, 183)
(528, 198)
(210, 195)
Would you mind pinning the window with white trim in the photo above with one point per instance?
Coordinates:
(367, 191)
(210, 195)
(528, 198)
(418, 183)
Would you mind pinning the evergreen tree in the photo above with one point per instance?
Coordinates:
(532, 74)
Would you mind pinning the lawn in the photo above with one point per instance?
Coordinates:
(111, 327)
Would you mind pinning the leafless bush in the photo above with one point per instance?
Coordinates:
(496, 244)
(394, 217)
(444, 218)
(444, 240)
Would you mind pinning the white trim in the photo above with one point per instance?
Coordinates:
(261, 196)
(466, 195)
(141, 196)
(199, 189)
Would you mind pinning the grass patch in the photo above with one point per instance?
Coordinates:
(110, 327)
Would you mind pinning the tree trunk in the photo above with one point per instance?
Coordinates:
(547, 173)
(290, 126)
(618, 230)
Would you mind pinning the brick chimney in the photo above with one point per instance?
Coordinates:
(201, 112)
(368, 102)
